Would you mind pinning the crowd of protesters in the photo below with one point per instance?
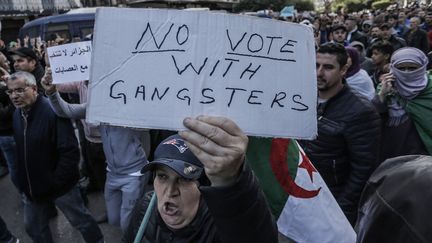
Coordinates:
(374, 104)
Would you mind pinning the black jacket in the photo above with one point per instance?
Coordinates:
(395, 204)
(394, 139)
(358, 36)
(38, 73)
(238, 213)
(48, 155)
(6, 111)
(418, 39)
(346, 150)
(397, 42)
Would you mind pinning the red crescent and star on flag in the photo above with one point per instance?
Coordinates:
(278, 162)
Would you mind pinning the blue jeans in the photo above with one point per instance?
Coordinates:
(36, 218)
(5, 235)
(7, 146)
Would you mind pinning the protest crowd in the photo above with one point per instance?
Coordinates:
(372, 150)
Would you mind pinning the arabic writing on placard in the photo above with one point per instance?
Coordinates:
(82, 69)
(74, 51)
(70, 62)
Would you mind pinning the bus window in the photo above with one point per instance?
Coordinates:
(60, 29)
(32, 32)
(86, 31)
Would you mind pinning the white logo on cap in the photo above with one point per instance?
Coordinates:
(189, 170)
(178, 143)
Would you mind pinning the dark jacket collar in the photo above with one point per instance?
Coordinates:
(322, 106)
(34, 109)
(38, 72)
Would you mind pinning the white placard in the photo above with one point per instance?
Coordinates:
(70, 62)
(151, 68)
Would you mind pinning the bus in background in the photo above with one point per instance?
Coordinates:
(77, 23)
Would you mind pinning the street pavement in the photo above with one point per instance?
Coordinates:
(12, 213)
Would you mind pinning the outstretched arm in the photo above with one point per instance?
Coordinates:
(60, 106)
(234, 199)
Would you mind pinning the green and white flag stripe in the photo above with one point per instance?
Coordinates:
(258, 153)
(299, 199)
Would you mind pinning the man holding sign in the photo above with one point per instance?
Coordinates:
(205, 191)
(178, 64)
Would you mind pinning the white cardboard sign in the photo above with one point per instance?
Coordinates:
(70, 62)
(151, 68)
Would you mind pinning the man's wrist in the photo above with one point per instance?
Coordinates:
(218, 181)
(222, 182)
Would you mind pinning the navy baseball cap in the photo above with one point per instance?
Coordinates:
(174, 153)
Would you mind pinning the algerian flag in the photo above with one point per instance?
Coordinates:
(304, 207)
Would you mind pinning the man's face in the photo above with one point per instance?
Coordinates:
(339, 35)
(23, 64)
(22, 95)
(378, 57)
(177, 198)
(408, 66)
(350, 24)
(4, 63)
(414, 23)
(428, 19)
(375, 32)
(391, 22)
(329, 72)
(421, 14)
(386, 33)
(401, 18)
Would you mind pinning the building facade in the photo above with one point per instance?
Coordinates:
(182, 4)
